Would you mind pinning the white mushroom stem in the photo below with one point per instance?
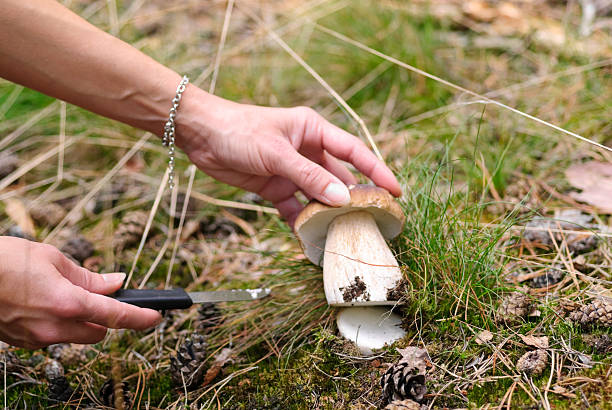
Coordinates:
(358, 266)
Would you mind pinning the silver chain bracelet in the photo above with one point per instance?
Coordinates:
(170, 128)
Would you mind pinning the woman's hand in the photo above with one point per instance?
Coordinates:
(275, 151)
(45, 298)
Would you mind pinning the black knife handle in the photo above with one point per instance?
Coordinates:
(154, 299)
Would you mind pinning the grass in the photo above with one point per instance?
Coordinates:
(455, 164)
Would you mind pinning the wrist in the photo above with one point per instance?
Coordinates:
(199, 117)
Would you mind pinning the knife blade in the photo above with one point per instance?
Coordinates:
(180, 299)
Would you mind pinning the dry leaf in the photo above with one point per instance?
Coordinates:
(17, 211)
(539, 342)
(216, 367)
(595, 180)
(484, 337)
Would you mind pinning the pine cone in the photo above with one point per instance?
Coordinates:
(109, 196)
(218, 226)
(108, 392)
(192, 208)
(532, 362)
(566, 307)
(69, 354)
(49, 214)
(406, 378)
(8, 164)
(403, 405)
(582, 242)
(59, 388)
(13, 363)
(130, 229)
(209, 316)
(597, 312)
(601, 344)
(402, 381)
(514, 307)
(551, 277)
(569, 219)
(78, 248)
(187, 367)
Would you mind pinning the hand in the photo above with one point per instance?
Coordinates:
(275, 151)
(45, 298)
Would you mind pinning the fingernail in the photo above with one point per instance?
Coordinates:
(114, 277)
(337, 194)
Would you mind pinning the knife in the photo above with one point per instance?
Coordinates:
(180, 299)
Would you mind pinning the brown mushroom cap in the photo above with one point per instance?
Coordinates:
(312, 223)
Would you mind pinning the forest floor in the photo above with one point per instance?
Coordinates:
(482, 109)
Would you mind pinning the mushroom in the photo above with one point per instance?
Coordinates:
(359, 269)
(370, 327)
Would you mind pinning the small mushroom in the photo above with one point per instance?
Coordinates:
(359, 269)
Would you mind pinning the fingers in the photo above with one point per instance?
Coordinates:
(111, 313)
(51, 332)
(289, 209)
(338, 169)
(93, 282)
(313, 179)
(347, 147)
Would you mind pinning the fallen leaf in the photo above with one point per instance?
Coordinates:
(16, 210)
(216, 367)
(484, 337)
(594, 178)
(535, 341)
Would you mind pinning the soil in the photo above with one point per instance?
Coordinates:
(356, 289)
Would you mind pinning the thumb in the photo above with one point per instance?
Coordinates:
(314, 180)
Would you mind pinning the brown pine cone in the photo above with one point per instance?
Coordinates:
(8, 164)
(187, 367)
(78, 248)
(566, 307)
(108, 391)
(403, 405)
(406, 378)
(68, 353)
(13, 363)
(514, 307)
(130, 230)
(209, 316)
(601, 344)
(597, 312)
(533, 362)
(49, 214)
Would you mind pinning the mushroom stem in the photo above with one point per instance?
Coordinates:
(358, 267)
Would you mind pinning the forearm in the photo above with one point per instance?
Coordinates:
(46, 47)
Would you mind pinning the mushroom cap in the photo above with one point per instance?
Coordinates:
(312, 223)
